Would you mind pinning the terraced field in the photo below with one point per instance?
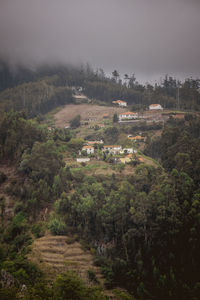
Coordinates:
(55, 255)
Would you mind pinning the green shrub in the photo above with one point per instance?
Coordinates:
(38, 229)
(57, 226)
(92, 276)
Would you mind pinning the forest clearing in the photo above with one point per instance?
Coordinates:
(87, 112)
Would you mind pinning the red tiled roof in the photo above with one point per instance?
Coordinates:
(129, 113)
(112, 146)
(88, 147)
(154, 105)
(119, 101)
(137, 137)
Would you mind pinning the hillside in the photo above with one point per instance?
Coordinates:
(35, 98)
(92, 206)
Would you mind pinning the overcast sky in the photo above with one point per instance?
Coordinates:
(147, 37)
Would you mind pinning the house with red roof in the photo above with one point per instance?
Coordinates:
(88, 149)
(120, 103)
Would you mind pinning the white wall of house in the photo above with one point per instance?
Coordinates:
(113, 150)
(128, 116)
(155, 107)
(85, 159)
(88, 150)
(122, 104)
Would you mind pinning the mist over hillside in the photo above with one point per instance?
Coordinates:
(150, 39)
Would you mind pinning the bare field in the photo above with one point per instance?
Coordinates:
(87, 112)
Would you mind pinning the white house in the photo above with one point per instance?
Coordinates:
(128, 116)
(83, 159)
(88, 149)
(81, 97)
(120, 103)
(112, 149)
(155, 107)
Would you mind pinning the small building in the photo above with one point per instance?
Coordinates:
(101, 125)
(105, 116)
(120, 103)
(67, 126)
(89, 143)
(137, 138)
(80, 97)
(128, 116)
(83, 159)
(112, 149)
(88, 149)
(155, 107)
(141, 159)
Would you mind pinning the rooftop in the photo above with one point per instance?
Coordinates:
(119, 101)
(129, 113)
(88, 147)
(137, 137)
(112, 146)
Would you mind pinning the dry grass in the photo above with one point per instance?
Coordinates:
(86, 111)
(54, 255)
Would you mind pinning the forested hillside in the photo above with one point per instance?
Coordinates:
(45, 88)
(139, 221)
(143, 229)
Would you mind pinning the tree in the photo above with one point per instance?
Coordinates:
(57, 226)
(75, 122)
(126, 78)
(69, 286)
(111, 134)
(44, 162)
(115, 118)
(132, 80)
(115, 75)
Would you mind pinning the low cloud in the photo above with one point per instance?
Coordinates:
(149, 38)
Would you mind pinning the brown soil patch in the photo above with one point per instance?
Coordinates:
(88, 112)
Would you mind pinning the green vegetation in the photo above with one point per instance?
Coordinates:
(57, 226)
(37, 92)
(35, 97)
(75, 122)
(143, 228)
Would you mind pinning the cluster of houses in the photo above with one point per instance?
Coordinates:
(122, 103)
(126, 153)
(133, 115)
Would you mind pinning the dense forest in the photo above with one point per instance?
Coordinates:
(143, 229)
